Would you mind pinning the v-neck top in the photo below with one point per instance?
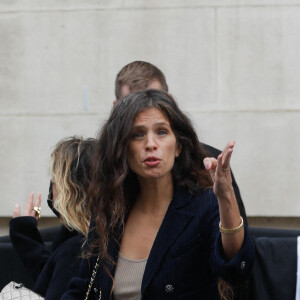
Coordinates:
(128, 278)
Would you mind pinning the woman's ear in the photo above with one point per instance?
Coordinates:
(178, 149)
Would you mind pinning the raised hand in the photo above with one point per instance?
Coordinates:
(32, 207)
(219, 170)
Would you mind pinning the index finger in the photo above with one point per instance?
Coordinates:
(229, 145)
(226, 155)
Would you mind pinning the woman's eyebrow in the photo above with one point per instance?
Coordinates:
(136, 127)
(162, 124)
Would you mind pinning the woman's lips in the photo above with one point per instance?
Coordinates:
(152, 161)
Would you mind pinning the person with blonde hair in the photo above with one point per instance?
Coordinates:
(70, 172)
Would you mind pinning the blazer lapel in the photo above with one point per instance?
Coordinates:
(173, 224)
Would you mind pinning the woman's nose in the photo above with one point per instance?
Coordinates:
(150, 143)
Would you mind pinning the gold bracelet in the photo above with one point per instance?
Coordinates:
(233, 230)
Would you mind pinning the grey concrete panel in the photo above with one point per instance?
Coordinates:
(52, 63)
(66, 62)
(265, 158)
(26, 145)
(258, 63)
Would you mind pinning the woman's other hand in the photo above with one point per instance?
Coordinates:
(31, 204)
(219, 170)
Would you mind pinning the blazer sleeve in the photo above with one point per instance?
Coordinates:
(28, 243)
(240, 267)
(60, 268)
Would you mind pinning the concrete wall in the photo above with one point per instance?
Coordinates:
(233, 66)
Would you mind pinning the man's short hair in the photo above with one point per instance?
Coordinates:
(137, 76)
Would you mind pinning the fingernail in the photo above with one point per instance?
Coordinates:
(17, 205)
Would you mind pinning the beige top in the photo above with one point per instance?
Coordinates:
(128, 278)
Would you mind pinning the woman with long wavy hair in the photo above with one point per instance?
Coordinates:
(52, 268)
(166, 224)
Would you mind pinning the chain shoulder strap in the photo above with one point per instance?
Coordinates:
(93, 278)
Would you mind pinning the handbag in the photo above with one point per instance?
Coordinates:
(15, 291)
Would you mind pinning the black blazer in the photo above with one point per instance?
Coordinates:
(186, 257)
(51, 268)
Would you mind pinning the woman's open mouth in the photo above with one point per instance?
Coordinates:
(152, 161)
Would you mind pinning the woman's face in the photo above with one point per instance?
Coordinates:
(152, 147)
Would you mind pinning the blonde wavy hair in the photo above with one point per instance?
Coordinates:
(70, 170)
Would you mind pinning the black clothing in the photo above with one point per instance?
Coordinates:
(53, 267)
(214, 153)
(186, 258)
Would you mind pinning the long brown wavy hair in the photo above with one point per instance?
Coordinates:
(114, 186)
(70, 170)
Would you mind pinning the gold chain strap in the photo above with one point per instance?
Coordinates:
(93, 279)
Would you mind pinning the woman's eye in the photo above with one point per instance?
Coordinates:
(138, 135)
(162, 132)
